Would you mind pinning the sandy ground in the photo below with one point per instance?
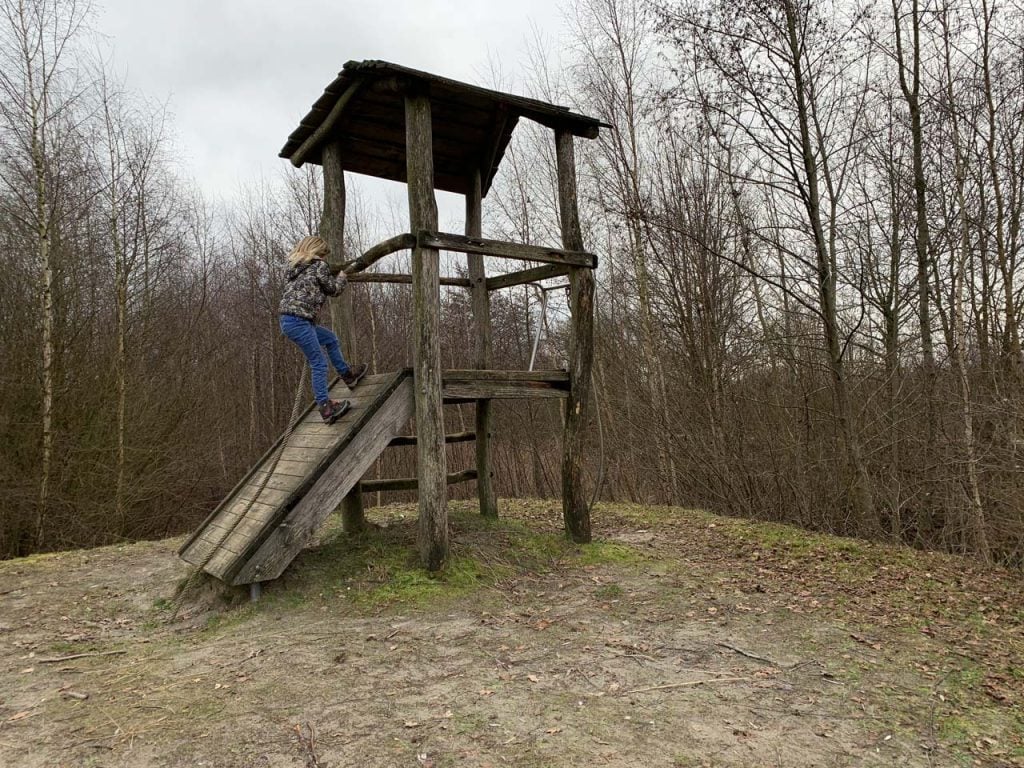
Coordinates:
(680, 639)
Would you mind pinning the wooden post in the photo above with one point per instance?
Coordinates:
(332, 229)
(426, 288)
(482, 356)
(575, 509)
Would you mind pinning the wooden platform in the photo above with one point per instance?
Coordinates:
(254, 534)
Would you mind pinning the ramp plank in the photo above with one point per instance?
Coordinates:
(260, 504)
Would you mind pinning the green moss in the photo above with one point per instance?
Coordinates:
(408, 583)
(793, 541)
(966, 679)
(230, 619)
(539, 550)
(954, 729)
(653, 515)
(381, 566)
(606, 553)
(608, 592)
(163, 605)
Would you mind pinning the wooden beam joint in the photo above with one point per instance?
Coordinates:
(454, 437)
(444, 241)
(525, 276)
(411, 483)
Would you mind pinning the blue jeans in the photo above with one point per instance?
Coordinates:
(311, 337)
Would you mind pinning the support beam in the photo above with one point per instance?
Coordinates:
(445, 241)
(475, 384)
(333, 225)
(454, 437)
(300, 155)
(387, 277)
(410, 483)
(493, 148)
(482, 353)
(575, 507)
(379, 251)
(527, 276)
(432, 537)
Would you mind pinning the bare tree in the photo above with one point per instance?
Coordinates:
(38, 96)
(780, 78)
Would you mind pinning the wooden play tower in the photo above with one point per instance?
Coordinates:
(432, 133)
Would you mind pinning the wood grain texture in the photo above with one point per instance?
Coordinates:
(310, 144)
(459, 391)
(534, 275)
(394, 244)
(385, 277)
(410, 483)
(575, 507)
(297, 468)
(432, 536)
(454, 437)
(352, 515)
(448, 242)
(481, 302)
(549, 376)
(183, 550)
(384, 387)
(291, 534)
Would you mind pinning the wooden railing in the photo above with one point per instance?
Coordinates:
(557, 262)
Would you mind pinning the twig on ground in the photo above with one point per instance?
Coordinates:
(933, 741)
(57, 659)
(687, 684)
(633, 655)
(307, 741)
(584, 675)
(750, 655)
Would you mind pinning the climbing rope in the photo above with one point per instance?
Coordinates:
(293, 422)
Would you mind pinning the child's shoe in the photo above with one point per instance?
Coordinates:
(333, 410)
(355, 373)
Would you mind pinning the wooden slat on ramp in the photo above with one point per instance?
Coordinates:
(259, 527)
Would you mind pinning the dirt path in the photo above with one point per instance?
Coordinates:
(679, 640)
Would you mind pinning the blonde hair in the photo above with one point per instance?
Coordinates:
(308, 249)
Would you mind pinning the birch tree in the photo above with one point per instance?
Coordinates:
(38, 95)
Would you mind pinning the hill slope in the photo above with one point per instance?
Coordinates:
(680, 639)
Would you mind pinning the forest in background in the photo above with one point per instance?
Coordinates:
(808, 219)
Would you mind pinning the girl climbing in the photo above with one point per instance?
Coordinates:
(308, 283)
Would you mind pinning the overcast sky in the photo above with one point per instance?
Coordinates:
(238, 75)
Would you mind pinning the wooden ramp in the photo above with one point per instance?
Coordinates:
(253, 535)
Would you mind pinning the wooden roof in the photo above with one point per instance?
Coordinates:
(364, 109)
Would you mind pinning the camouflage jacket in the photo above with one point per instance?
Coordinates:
(306, 288)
